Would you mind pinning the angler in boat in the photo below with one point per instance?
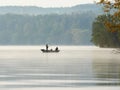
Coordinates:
(51, 50)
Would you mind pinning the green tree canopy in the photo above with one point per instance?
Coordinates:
(101, 36)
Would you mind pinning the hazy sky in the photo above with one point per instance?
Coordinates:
(44, 3)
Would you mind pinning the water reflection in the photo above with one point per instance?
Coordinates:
(76, 67)
(107, 69)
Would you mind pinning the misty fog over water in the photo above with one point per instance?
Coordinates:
(26, 67)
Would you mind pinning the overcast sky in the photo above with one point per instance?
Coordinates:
(44, 3)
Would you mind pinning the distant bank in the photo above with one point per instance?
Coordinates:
(33, 10)
(35, 25)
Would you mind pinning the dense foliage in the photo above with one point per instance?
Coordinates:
(106, 28)
(112, 8)
(101, 35)
(41, 29)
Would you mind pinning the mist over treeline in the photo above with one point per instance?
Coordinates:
(53, 28)
(33, 10)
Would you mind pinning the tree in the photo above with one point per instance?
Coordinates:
(101, 37)
(112, 10)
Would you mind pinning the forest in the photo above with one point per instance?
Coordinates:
(29, 25)
(65, 29)
(106, 27)
(101, 36)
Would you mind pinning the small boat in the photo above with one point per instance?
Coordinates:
(49, 51)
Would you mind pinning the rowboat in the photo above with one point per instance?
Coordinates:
(50, 51)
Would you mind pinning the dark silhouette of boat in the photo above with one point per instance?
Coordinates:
(49, 51)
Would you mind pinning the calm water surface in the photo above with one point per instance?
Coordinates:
(26, 67)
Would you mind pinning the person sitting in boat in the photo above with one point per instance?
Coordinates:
(56, 49)
(51, 49)
(47, 46)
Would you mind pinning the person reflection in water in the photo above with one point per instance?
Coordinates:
(46, 46)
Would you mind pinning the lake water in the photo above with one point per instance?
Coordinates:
(74, 67)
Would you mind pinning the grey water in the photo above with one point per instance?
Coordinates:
(26, 67)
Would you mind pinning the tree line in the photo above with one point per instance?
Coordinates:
(106, 28)
(73, 29)
(101, 36)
